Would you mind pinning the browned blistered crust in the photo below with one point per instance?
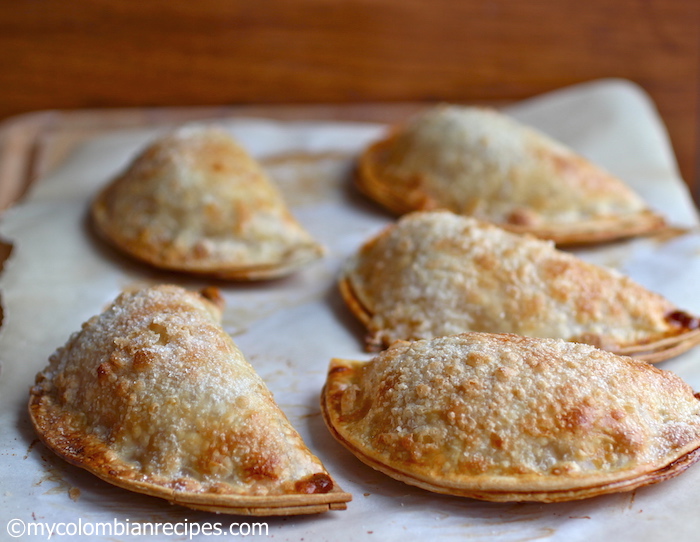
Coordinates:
(153, 396)
(195, 201)
(477, 162)
(512, 418)
(437, 273)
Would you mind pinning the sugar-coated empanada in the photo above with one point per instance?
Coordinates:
(437, 273)
(513, 418)
(153, 396)
(478, 162)
(196, 201)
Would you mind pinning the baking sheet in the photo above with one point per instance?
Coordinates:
(59, 275)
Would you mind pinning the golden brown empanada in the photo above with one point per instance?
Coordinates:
(153, 396)
(478, 162)
(195, 201)
(437, 273)
(513, 418)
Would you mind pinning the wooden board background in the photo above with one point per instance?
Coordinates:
(115, 53)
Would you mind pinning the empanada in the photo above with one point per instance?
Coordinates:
(478, 162)
(513, 418)
(437, 273)
(153, 396)
(196, 201)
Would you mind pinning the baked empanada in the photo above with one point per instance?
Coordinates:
(153, 396)
(196, 201)
(437, 273)
(478, 162)
(512, 418)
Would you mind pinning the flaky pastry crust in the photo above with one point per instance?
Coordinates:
(478, 162)
(512, 418)
(153, 396)
(195, 201)
(437, 273)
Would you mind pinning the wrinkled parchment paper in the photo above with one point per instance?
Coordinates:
(59, 275)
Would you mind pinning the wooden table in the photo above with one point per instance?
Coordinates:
(100, 54)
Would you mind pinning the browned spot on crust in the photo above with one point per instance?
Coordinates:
(339, 370)
(316, 483)
(213, 294)
(143, 360)
(683, 319)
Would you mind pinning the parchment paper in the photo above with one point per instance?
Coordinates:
(59, 275)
